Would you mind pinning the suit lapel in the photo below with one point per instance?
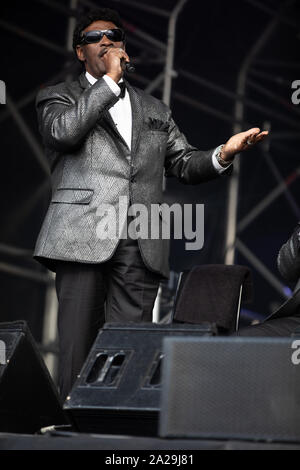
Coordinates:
(137, 116)
(83, 81)
(108, 122)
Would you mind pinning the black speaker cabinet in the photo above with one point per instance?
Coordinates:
(231, 388)
(118, 390)
(28, 397)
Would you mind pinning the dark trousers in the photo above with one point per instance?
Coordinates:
(121, 290)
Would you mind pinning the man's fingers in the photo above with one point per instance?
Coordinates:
(261, 137)
(250, 135)
(117, 51)
(255, 136)
(251, 132)
(126, 56)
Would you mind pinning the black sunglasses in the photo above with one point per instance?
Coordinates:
(91, 37)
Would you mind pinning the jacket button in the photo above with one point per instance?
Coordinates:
(132, 178)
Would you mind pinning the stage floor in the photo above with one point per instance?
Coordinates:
(74, 441)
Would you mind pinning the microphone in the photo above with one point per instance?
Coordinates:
(129, 67)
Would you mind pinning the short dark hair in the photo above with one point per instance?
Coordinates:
(99, 14)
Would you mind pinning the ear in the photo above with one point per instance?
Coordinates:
(80, 53)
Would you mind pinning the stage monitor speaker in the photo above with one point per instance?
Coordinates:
(231, 388)
(28, 397)
(118, 389)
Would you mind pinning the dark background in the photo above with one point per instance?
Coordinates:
(213, 39)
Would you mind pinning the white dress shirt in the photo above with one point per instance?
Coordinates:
(121, 114)
(121, 111)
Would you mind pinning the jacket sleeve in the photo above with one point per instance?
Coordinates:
(187, 163)
(63, 121)
(288, 260)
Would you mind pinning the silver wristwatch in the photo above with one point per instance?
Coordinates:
(219, 159)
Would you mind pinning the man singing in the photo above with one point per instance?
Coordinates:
(104, 140)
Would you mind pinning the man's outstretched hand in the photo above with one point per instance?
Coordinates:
(242, 141)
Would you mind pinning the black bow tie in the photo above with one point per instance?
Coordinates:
(122, 86)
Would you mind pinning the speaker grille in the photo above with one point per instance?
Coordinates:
(121, 378)
(230, 388)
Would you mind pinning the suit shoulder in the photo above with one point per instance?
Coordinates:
(61, 90)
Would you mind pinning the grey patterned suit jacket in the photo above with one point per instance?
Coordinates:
(92, 165)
